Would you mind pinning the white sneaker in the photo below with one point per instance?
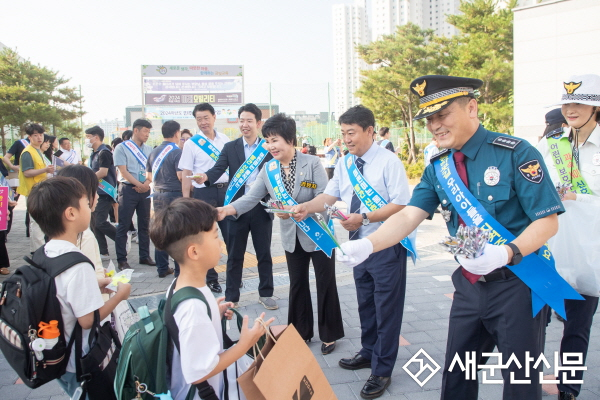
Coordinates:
(128, 245)
(135, 236)
(104, 257)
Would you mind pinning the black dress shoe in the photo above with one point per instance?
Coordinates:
(123, 265)
(327, 348)
(356, 362)
(169, 271)
(214, 286)
(375, 386)
(148, 261)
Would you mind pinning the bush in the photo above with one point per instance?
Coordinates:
(414, 171)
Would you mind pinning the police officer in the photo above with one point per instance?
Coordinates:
(163, 170)
(131, 157)
(506, 179)
(101, 162)
(198, 157)
(381, 279)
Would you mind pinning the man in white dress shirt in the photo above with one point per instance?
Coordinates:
(68, 153)
(197, 158)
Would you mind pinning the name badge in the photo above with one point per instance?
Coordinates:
(142, 176)
(308, 184)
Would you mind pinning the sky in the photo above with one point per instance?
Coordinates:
(101, 45)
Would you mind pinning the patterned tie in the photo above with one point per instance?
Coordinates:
(355, 204)
(459, 161)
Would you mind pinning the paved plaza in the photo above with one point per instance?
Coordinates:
(425, 323)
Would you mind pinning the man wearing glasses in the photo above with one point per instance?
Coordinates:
(198, 157)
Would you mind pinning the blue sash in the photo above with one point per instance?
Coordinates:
(309, 226)
(137, 152)
(536, 270)
(24, 142)
(71, 157)
(374, 201)
(108, 188)
(161, 157)
(206, 146)
(244, 172)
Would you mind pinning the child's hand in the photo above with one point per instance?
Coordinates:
(224, 308)
(249, 336)
(103, 283)
(123, 290)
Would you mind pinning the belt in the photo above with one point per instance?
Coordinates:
(167, 191)
(217, 185)
(497, 275)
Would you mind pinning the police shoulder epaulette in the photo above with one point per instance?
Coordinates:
(508, 142)
(440, 154)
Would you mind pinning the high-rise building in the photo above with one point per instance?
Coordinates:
(350, 28)
(427, 14)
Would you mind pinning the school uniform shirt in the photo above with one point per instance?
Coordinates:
(16, 149)
(385, 173)
(514, 199)
(200, 341)
(77, 291)
(123, 156)
(67, 154)
(166, 177)
(196, 160)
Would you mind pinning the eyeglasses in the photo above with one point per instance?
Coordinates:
(183, 140)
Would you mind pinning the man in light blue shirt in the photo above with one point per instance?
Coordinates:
(430, 150)
(380, 281)
(130, 158)
(256, 221)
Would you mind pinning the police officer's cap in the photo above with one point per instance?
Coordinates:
(95, 130)
(437, 92)
(554, 120)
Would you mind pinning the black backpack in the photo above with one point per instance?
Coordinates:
(27, 298)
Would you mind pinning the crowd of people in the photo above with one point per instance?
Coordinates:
(203, 185)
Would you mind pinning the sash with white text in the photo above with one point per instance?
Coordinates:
(161, 157)
(137, 152)
(244, 172)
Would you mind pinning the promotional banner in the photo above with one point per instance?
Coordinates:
(185, 112)
(4, 196)
(178, 98)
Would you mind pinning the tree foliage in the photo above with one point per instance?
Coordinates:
(482, 49)
(32, 93)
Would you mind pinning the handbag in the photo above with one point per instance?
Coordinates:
(97, 369)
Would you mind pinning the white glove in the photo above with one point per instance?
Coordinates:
(493, 257)
(356, 251)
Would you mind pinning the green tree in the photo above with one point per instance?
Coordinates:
(399, 58)
(484, 50)
(32, 93)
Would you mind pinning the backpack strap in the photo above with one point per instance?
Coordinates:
(55, 266)
(205, 390)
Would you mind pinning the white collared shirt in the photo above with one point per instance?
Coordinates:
(196, 160)
(248, 150)
(589, 171)
(385, 173)
(67, 153)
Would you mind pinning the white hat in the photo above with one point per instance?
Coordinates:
(581, 89)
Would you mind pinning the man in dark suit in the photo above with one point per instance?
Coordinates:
(244, 157)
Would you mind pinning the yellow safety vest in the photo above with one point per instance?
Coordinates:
(25, 184)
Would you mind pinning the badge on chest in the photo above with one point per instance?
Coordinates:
(308, 184)
(491, 176)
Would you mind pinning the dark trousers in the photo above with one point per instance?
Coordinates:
(260, 224)
(488, 314)
(4, 260)
(10, 213)
(102, 227)
(161, 201)
(380, 289)
(329, 172)
(215, 196)
(131, 201)
(576, 337)
(300, 311)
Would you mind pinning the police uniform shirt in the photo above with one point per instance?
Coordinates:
(385, 173)
(196, 160)
(123, 156)
(522, 193)
(589, 163)
(16, 149)
(166, 177)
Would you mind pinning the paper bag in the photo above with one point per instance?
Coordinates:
(289, 371)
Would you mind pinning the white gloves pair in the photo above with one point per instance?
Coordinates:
(493, 257)
(354, 252)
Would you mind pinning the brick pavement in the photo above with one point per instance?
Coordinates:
(428, 301)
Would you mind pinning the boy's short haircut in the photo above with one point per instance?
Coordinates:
(170, 128)
(32, 128)
(84, 175)
(281, 125)
(203, 107)
(50, 198)
(251, 108)
(184, 218)
(95, 131)
(141, 123)
(359, 115)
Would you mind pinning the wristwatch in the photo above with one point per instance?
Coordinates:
(517, 256)
(365, 220)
